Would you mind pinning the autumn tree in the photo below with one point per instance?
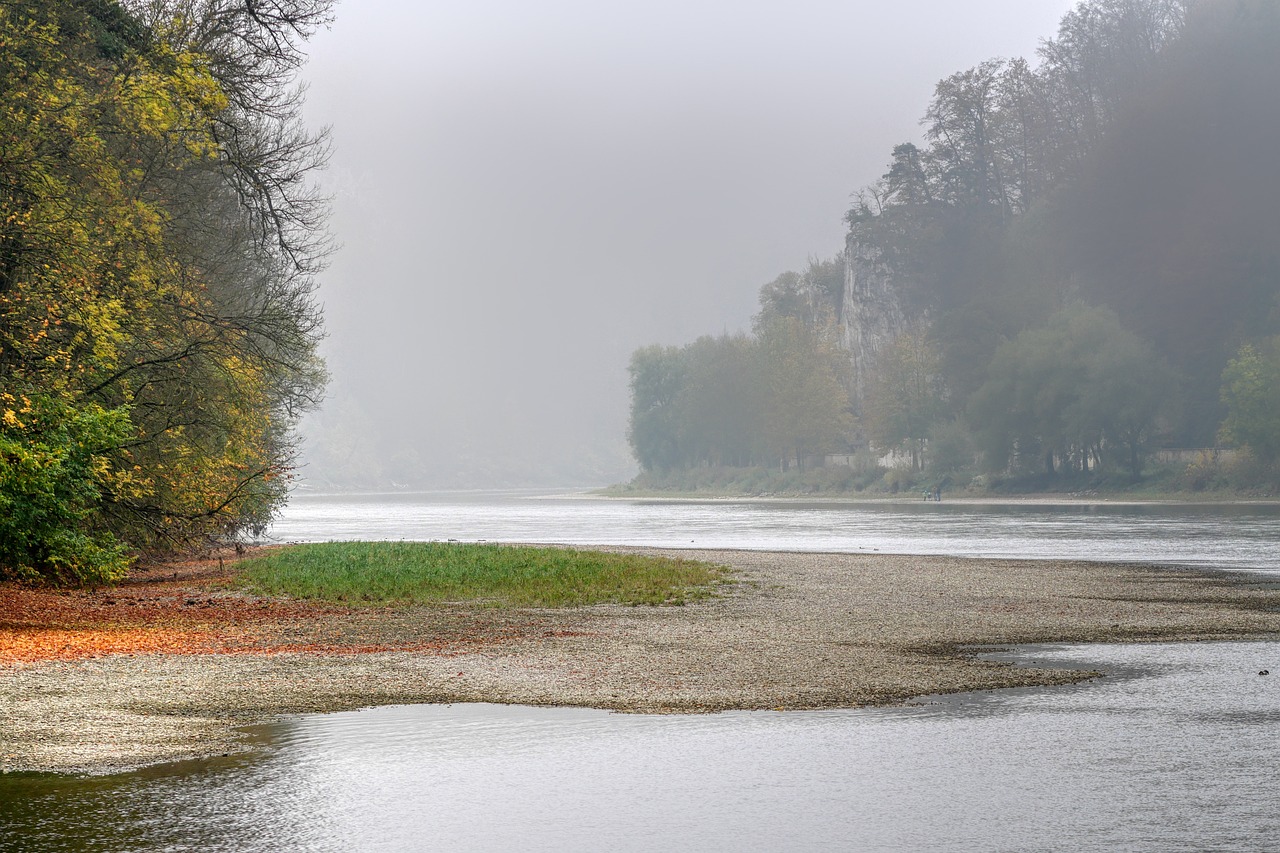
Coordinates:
(805, 404)
(907, 396)
(157, 330)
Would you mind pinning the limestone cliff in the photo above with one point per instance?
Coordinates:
(872, 312)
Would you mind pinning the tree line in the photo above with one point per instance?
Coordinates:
(1082, 250)
(771, 398)
(159, 242)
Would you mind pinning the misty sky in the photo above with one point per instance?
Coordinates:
(527, 192)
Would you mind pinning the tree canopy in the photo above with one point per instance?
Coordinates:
(1128, 169)
(159, 241)
(1251, 393)
(774, 398)
(1081, 391)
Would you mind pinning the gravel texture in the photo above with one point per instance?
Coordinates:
(792, 631)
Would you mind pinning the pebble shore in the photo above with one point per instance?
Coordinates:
(792, 631)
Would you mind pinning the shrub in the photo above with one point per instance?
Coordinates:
(52, 476)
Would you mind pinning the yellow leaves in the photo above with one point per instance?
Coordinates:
(177, 102)
(103, 170)
(10, 418)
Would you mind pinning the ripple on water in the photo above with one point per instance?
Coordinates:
(1173, 750)
(1229, 536)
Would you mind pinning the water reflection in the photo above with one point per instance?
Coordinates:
(1174, 750)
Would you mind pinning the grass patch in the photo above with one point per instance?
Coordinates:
(500, 575)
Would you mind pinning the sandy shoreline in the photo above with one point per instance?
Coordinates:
(795, 631)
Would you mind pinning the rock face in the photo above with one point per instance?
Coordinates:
(872, 312)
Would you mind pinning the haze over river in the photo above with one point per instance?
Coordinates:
(1174, 749)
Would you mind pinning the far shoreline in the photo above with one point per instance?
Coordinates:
(1039, 499)
(552, 493)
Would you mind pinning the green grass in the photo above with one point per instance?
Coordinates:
(497, 575)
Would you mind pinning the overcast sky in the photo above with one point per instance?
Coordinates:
(527, 192)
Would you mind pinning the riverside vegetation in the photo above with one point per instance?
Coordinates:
(159, 242)
(1075, 269)
(414, 573)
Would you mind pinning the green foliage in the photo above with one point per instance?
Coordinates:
(1114, 171)
(720, 401)
(812, 297)
(501, 575)
(1230, 472)
(805, 408)
(774, 398)
(657, 377)
(1079, 390)
(951, 449)
(156, 319)
(53, 470)
(1130, 169)
(901, 480)
(1251, 393)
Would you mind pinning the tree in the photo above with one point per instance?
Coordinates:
(158, 244)
(812, 297)
(1251, 393)
(805, 405)
(51, 480)
(657, 377)
(719, 402)
(1077, 390)
(1128, 392)
(961, 122)
(907, 396)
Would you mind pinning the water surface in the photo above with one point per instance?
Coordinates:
(1215, 536)
(1175, 750)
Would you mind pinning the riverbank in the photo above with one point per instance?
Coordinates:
(1200, 483)
(169, 666)
(902, 499)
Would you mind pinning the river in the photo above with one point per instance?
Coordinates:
(1215, 536)
(1174, 749)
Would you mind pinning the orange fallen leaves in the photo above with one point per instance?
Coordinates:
(34, 645)
(193, 608)
(39, 644)
(187, 611)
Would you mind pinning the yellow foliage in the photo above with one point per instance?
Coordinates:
(104, 305)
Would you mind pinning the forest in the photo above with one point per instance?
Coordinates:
(159, 242)
(1074, 269)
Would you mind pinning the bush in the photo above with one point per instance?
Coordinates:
(51, 478)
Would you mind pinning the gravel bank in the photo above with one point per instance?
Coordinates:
(794, 631)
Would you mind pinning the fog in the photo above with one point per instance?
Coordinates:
(526, 193)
